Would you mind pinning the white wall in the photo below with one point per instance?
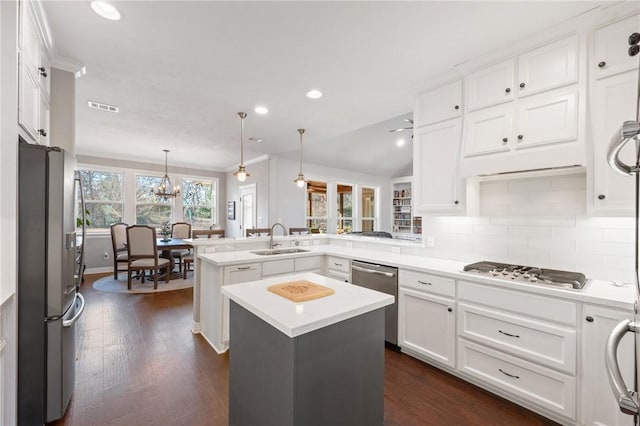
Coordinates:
(259, 174)
(287, 201)
(537, 222)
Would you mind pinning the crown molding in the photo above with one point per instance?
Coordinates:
(43, 24)
(66, 64)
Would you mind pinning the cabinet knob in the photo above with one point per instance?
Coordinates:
(449, 309)
(601, 197)
(589, 319)
(602, 64)
(456, 202)
(634, 39)
(633, 50)
(507, 90)
(522, 85)
(42, 132)
(456, 107)
(505, 140)
(42, 71)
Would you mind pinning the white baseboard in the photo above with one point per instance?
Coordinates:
(98, 270)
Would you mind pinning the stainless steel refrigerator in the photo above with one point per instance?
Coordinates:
(626, 394)
(49, 271)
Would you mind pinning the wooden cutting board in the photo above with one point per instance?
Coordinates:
(300, 291)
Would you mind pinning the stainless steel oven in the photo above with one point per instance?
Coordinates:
(385, 280)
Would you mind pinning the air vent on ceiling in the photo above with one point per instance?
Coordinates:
(103, 107)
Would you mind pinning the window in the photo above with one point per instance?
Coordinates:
(150, 209)
(368, 209)
(103, 198)
(345, 208)
(197, 203)
(317, 206)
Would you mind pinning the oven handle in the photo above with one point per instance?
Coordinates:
(371, 271)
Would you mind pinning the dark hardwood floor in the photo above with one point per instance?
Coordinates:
(139, 364)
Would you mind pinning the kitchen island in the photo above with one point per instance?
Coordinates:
(315, 362)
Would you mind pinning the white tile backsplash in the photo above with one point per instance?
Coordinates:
(537, 221)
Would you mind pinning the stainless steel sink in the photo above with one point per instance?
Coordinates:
(279, 251)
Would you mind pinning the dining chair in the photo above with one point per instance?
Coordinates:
(180, 230)
(258, 232)
(118, 243)
(198, 234)
(143, 254)
(298, 231)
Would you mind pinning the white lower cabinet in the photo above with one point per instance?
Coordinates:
(599, 406)
(426, 325)
(338, 268)
(545, 387)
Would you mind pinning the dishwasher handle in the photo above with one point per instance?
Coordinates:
(372, 271)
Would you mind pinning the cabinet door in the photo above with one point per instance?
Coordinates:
(427, 325)
(548, 67)
(43, 130)
(611, 45)
(488, 130)
(44, 74)
(435, 163)
(546, 119)
(599, 406)
(439, 104)
(490, 86)
(28, 37)
(614, 102)
(29, 101)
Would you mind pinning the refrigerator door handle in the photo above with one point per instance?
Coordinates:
(629, 131)
(627, 399)
(70, 322)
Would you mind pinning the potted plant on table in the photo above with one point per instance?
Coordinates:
(165, 230)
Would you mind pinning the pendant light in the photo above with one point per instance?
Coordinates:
(166, 190)
(241, 173)
(300, 179)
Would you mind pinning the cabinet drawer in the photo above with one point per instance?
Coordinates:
(545, 308)
(242, 273)
(277, 267)
(544, 387)
(308, 264)
(546, 344)
(427, 282)
(338, 264)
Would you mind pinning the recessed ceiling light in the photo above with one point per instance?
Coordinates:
(314, 94)
(261, 110)
(400, 142)
(106, 10)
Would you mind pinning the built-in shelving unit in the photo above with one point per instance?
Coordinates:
(403, 221)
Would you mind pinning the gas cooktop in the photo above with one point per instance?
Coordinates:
(529, 274)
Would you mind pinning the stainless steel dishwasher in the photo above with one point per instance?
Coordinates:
(385, 280)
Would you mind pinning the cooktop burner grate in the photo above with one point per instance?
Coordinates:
(530, 274)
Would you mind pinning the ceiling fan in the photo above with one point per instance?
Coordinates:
(402, 129)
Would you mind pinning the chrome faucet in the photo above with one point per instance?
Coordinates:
(284, 232)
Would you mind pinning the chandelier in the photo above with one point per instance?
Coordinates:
(300, 179)
(241, 173)
(166, 190)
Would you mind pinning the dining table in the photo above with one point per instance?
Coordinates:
(166, 246)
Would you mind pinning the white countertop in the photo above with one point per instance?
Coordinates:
(294, 319)
(596, 291)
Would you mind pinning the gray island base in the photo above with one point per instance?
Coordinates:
(330, 376)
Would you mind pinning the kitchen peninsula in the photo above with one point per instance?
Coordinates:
(315, 362)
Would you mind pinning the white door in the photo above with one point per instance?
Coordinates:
(611, 45)
(247, 208)
(488, 130)
(440, 104)
(490, 86)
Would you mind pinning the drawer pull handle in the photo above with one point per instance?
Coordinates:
(424, 282)
(337, 264)
(241, 268)
(508, 334)
(507, 374)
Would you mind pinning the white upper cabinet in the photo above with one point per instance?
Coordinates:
(611, 45)
(439, 104)
(490, 86)
(488, 130)
(546, 119)
(437, 187)
(548, 67)
(614, 101)
(28, 101)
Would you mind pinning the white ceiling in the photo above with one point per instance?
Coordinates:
(180, 71)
